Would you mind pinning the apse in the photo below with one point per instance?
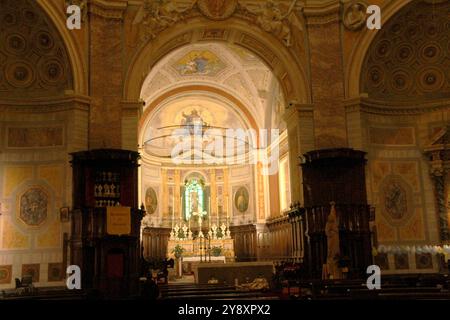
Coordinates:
(219, 96)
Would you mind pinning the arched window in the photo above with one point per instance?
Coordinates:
(193, 198)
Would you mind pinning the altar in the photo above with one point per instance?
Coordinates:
(200, 235)
(202, 249)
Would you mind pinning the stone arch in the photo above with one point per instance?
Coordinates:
(279, 58)
(195, 87)
(74, 50)
(361, 48)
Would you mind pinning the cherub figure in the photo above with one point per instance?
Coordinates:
(155, 16)
(271, 19)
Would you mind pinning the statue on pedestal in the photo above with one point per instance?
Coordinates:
(333, 250)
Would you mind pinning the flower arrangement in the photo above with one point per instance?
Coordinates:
(178, 251)
(216, 251)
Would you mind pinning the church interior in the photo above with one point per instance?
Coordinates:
(238, 149)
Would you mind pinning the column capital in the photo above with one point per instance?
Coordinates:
(318, 12)
(295, 110)
(111, 9)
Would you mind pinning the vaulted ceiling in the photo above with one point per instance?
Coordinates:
(229, 68)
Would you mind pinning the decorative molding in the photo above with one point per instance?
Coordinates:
(372, 106)
(321, 12)
(111, 9)
(354, 15)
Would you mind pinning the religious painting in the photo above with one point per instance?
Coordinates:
(401, 261)
(5, 274)
(395, 198)
(241, 199)
(55, 272)
(151, 201)
(199, 62)
(34, 206)
(395, 201)
(424, 261)
(31, 270)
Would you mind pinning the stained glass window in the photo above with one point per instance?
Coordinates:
(193, 198)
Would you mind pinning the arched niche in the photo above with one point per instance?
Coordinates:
(74, 50)
(361, 47)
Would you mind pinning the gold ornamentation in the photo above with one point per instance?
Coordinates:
(217, 9)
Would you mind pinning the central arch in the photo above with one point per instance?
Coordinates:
(279, 58)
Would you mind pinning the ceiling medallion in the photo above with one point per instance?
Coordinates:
(355, 15)
(217, 9)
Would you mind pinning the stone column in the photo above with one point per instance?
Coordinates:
(213, 194)
(274, 199)
(355, 123)
(177, 195)
(164, 195)
(131, 113)
(226, 201)
(106, 74)
(299, 121)
(438, 175)
(327, 73)
(260, 212)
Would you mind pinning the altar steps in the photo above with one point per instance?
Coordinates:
(210, 292)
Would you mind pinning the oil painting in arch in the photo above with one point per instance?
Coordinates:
(199, 62)
(241, 199)
(151, 200)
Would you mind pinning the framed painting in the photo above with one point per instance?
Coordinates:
(55, 272)
(32, 270)
(5, 274)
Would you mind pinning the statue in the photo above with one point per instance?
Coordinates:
(333, 250)
(155, 16)
(194, 203)
(272, 20)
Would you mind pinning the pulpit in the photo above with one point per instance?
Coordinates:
(105, 239)
(333, 179)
